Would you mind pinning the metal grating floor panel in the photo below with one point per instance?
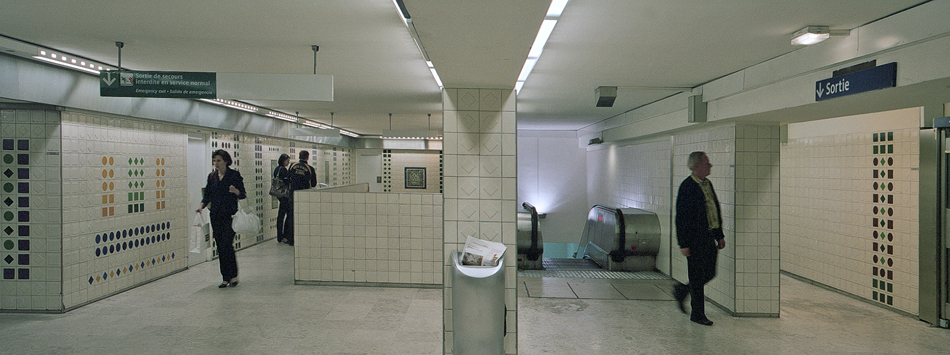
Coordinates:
(585, 269)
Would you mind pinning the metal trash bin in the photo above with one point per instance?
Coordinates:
(478, 308)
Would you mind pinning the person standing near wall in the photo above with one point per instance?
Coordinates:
(699, 234)
(221, 194)
(302, 177)
(285, 211)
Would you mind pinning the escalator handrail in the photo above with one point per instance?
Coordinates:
(533, 252)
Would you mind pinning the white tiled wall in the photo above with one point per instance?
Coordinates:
(30, 211)
(124, 188)
(480, 201)
(368, 237)
(830, 179)
(395, 163)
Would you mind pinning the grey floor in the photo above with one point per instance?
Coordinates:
(266, 314)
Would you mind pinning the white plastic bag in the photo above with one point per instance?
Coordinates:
(246, 223)
(200, 233)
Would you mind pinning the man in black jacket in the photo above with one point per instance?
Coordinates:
(699, 234)
(302, 176)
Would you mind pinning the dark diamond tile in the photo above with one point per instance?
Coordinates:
(8, 259)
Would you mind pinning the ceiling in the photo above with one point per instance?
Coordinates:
(378, 69)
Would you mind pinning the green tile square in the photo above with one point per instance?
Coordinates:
(874, 137)
(874, 283)
(890, 287)
(890, 136)
(890, 149)
(875, 149)
(131, 196)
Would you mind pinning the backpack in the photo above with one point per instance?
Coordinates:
(300, 176)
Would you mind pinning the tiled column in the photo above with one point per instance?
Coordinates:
(757, 220)
(480, 192)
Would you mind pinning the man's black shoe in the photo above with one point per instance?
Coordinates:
(704, 321)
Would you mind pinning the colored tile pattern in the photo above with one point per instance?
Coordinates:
(882, 222)
(16, 220)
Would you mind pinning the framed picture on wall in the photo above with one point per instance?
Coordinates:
(416, 178)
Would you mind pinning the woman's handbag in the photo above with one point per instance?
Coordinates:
(244, 222)
(279, 188)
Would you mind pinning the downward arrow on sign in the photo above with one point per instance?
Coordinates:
(819, 91)
(110, 80)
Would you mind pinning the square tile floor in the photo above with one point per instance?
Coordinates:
(186, 313)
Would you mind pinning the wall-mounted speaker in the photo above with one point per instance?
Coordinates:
(696, 109)
(605, 95)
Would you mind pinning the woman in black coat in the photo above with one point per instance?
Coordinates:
(225, 186)
(285, 211)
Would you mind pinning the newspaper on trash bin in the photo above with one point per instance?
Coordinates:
(478, 252)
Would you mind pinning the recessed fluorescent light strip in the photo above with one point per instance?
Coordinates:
(348, 133)
(416, 138)
(547, 26)
(314, 124)
(70, 62)
(281, 116)
(232, 104)
(407, 20)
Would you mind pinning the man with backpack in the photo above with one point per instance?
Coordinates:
(302, 177)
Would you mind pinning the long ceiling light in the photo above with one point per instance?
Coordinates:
(281, 116)
(407, 20)
(547, 26)
(232, 104)
(71, 62)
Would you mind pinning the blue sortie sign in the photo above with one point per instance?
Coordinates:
(879, 77)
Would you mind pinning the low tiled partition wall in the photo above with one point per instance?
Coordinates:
(374, 238)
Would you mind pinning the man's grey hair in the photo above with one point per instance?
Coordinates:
(694, 159)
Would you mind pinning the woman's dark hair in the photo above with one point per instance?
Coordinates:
(283, 158)
(224, 156)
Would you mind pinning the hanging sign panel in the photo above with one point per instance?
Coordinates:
(879, 77)
(164, 84)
